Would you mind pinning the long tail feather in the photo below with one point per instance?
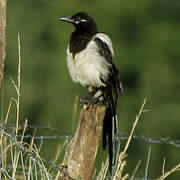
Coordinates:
(110, 126)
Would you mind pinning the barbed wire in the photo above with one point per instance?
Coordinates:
(45, 128)
(9, 131)
(67, 135)
(46, 137)
(161, 140)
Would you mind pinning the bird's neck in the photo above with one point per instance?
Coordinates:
(79, 41)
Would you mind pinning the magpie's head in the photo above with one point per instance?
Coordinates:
(82, 21)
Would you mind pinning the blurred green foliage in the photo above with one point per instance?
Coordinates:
(146, 39)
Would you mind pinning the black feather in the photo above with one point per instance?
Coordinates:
(111, 91)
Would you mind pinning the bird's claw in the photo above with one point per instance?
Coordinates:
(91, 101)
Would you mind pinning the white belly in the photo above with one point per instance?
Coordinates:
(87, 67)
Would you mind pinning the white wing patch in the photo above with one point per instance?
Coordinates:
(105, 38)
(87, 67)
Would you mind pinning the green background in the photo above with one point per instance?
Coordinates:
(146, 40)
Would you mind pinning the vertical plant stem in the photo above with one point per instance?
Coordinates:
(147, 164)
(16, 156)
(19, 84)
(2, 37)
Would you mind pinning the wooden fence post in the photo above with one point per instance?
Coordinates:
(81, 153)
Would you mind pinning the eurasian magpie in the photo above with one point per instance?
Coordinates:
(89, 60)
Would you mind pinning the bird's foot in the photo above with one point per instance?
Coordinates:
(87, 100)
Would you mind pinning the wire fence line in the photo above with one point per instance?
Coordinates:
(45, 128)
(61, 134)
(9, 131)
(161, 140)
(26, 154)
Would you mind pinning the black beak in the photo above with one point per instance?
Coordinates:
(67, 19)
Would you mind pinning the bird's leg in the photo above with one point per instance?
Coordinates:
(94, 96)
(86, 99)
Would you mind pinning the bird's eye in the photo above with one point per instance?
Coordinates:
(78, 18)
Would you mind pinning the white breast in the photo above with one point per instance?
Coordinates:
(87, 67)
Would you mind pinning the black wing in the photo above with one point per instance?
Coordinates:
(112, 90)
